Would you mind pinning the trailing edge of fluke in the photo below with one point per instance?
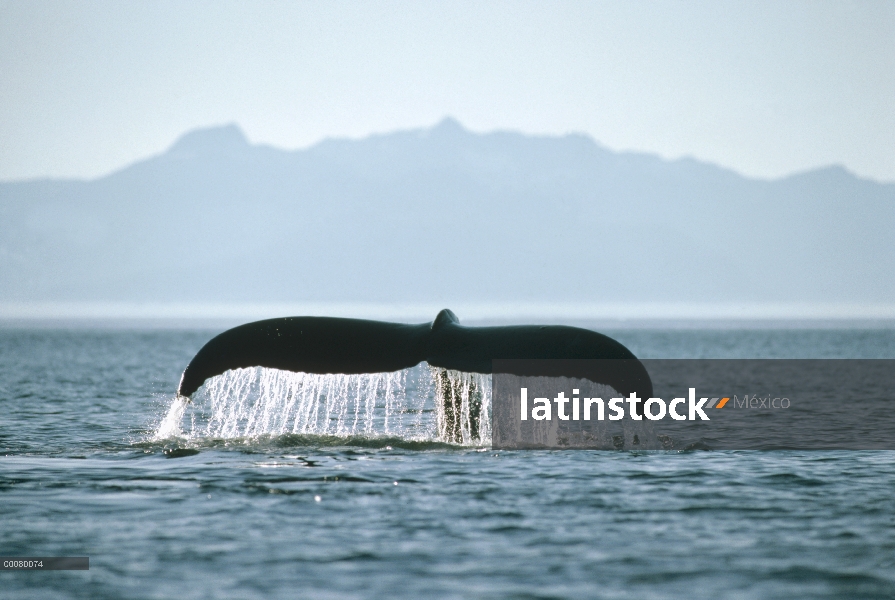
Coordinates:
(335, 345)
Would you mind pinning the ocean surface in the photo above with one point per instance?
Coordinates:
(248, 493)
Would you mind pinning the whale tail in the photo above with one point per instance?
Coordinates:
(351, 346)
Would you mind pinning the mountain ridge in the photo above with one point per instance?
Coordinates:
(201, 136)
(442, 213)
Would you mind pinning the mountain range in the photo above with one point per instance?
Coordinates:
(443, 214)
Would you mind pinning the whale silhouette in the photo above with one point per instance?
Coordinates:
(337, 345)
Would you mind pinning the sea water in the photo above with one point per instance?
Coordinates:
(280, 485)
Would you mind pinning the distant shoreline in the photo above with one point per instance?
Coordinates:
(641, 315)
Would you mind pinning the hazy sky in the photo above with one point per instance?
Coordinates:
(766, 88)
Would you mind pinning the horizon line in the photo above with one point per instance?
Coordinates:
(621, 312)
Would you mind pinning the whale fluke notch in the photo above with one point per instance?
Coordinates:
(445, 317)
(337, 345)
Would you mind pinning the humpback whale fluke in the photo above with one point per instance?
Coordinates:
(336, 345)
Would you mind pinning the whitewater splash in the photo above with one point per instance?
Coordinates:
(418, 404)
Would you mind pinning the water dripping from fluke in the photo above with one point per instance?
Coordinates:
(403, 405)
(348, 378)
